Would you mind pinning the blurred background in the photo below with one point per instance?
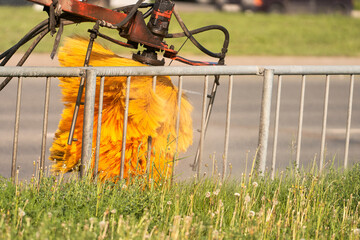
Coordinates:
(269, 6)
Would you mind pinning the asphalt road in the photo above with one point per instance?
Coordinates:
(244, 117)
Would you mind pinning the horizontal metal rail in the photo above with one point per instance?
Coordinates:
(177, 71)
(268, 73)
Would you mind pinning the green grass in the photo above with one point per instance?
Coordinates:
(251, 34)
(357, 4)
(293, 206)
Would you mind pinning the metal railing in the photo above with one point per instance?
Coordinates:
(267, 72)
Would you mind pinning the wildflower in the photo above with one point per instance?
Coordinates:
(243, 186)
(275, 202)
(216, 192)
(21, 213)
(124, 185)
(356, 231)
(247, 198)
(49, 214)
(237, 194)
(255, 184)
(208, 194)
(92, 220)
(113, 211)
(102, 224)
(251, 214)
(169, 203)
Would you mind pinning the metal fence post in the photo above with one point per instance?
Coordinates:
(88, 124)
(45, 124)
(227, 127)
(16, 129)
(98, 130)
(323, 131)
(203, 125)
(123, 145)
(276, 127)
(348, 124)
(301, 118)
(264, 120)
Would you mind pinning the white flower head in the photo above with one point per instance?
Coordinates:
(208, 194)
(237, 194)
(216, 192)
(255, 184)
(102, 224)
(247, 198)
(356, 231)
(21, 213)
(169, 203)
(113, 211)
(92, 220)
(251, 214)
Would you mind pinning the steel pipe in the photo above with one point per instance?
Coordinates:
(202, 131)
(98, 129)
(348, 123)
(227, 127)
(178, 70)
(45, 125)
(276, 127)
(323, 130)
(88, 123)
(16, 129)
(126, 112)
(264, 120)
(300, 124)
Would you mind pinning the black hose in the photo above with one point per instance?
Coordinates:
(130, 14)
(30, 35)
(189, 34)
(26, 55)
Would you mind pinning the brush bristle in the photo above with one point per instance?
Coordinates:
(150, 114)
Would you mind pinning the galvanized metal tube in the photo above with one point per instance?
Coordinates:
(177, 125)
(264, 120)
(45, 125)
(177, 70)
(348, 124)
(98, 129)
(202, 131)
(154, 83)
(207, 118)
(323, 131)
(276, 127)
(126, 112)
(300, 125)
(88, 123)
(227, 127)
(16, 129)
(148, 160)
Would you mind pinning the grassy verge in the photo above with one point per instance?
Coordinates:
(293, 206)
(254, 34)
(357, 4)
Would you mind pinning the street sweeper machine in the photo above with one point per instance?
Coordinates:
(142, 25)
